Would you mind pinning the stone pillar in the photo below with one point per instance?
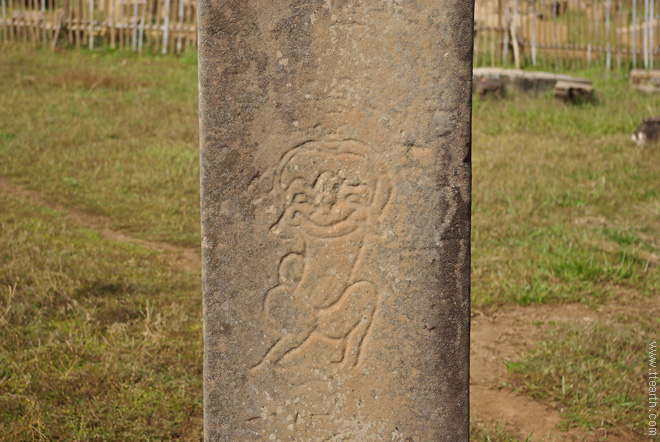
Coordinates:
(335, 161)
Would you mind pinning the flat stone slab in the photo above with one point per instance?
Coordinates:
(646, 80)
(573, 92)
(335, 163)
(526, 81)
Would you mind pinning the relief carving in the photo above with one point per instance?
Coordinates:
(332, 196)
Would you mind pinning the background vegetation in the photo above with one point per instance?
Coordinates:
(101, 340)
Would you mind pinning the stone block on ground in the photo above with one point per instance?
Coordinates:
(646, 80)
(489, 88)
(573, 92)
(530, 82)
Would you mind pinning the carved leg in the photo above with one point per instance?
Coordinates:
(349, 318)
(287, 343)
(354, 341)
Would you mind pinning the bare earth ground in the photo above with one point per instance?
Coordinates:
(507, 334)
(498, 335)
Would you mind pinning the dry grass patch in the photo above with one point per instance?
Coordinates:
(565, 206)
(594, 373)
(97, 341)
(110, 133)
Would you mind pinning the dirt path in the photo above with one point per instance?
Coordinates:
(188, 259)
(503, 334)
(507, 334)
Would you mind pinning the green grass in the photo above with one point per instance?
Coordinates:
(480, 432)
(109, 132)
(565, 207)
(96, 341)
(594, 373)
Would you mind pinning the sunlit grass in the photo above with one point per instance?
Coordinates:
(97, 342)
(556, 189)
(112, 133)
(594, 373)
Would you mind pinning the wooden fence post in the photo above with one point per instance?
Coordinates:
(554, 32)
(141, 35)
(43, 22)
(505, 43)
(634, 33)
(4, 21)
(646, 34)
(178, 43)
(651, 39)
(533, 32)
(166, 26)
(608, 57)
(91, 24)
(134, 30)
(500, 14)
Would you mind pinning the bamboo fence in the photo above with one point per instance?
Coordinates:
(567, 34)
(564, 34)
(167, 26)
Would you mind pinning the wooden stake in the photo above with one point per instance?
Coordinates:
(120, 24)
(31, 22)
(10, 10)
(514, 35)
(134, 27)
(68, 9)
(500, 27)
(651, 39)
(78, 23)
(171, 41)
(105, 20)
(618, 28)
(166, 26)
(634, 33)
(44, 39)
(516, 49)
(141, 35)
(608, 57)
(53, 43)
(566, 37)
(19, 22)
(178, 43)
(4, 21)
(91, 24)
(113, 23)
(646, 34)
(554, 32)
(157, 29)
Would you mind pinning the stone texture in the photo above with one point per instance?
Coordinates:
(335, 158)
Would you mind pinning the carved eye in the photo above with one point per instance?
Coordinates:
(300, 198)
(353, 198)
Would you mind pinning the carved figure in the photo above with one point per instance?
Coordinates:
(332, 195)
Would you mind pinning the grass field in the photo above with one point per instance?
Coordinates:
(101, 339)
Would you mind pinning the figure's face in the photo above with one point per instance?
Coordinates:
(333, 198)
(326, 192)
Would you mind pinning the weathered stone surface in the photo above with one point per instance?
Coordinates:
(335, 154)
